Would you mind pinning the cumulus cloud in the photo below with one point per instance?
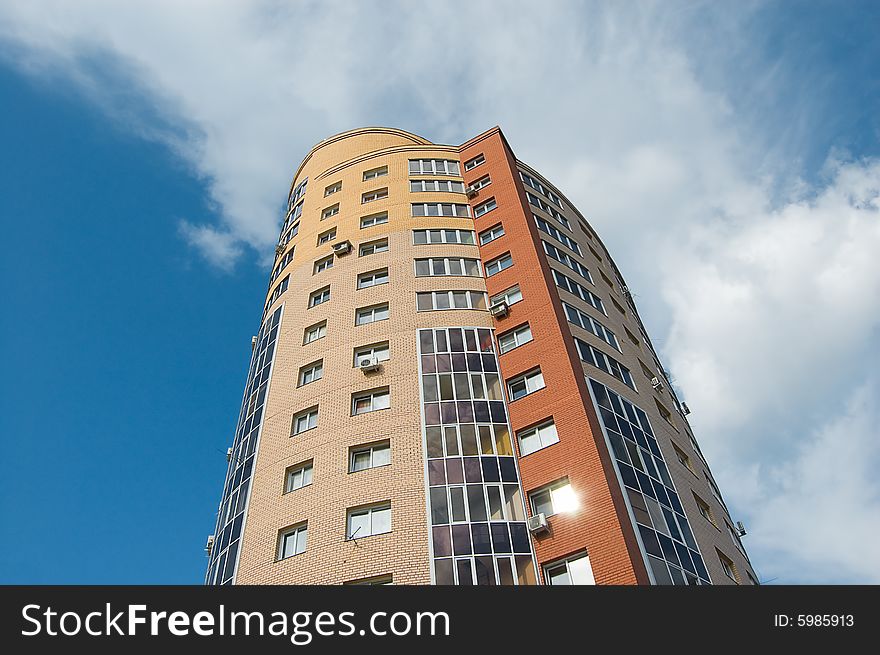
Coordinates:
(752, 279)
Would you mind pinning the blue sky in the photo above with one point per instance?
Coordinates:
(727, 155)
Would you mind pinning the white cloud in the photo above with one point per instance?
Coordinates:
(756, 284)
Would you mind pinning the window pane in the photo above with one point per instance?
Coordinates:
(381, 455)
(381, 520)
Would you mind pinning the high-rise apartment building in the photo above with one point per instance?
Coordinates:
(451, 385)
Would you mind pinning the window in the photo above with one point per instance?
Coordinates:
(735, 537)
(498, 264)
(378, 194)
(704, 508)
(665, 413)
(575, 571)
(436, 185)
(537, 202)
(437, 300)
(485, 207)
(714, 489)
(379, 352)
(537, 438)
(281, 288)
(728, 566)
(441, 209)
(332, 188)
(604, 362)
(433, 167)
(517, 337)
(372, 278)
(319, 297)
(523, 385)
(370, 401)
(683, 458)
(373, 247)
(311, 373)
(323, 264)
(439, 266)
(371, 314)
(288, 257)
(292, 541)
(373, 173)
(578, 290)
(481, 183)
(553, 499)
(297, 193)
(369, 521)
(373, 581)
(606, 279)
(563, 238)
(618, 307)
(367, 457)
(298, 476)
(330, 212)
(374, 219)
(510, 296)
(423, 237)
(326, 237)
(590, 324)
(567, 260)
(491, 234)
(471, 164)
(305, 420)
(631, 337)
(315, 332)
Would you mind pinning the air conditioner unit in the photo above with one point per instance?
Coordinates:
(656, 384)
(685, 409)
(500, 310)
(368, 364)
(229, 454)
(342, 248)
(538, 523)
(741, 529)
(471, 192)
(210, 545)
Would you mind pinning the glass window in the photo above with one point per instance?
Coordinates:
(374, 219)
(537, 438)
(510, 296)
(471, 164)
(575, 571)
(371, 314)
(523, 385)
(330, 212)
(332, 188)
(373, 173)
(319, 297)
(323, 265)
(292, 541)
(299, 476)
(378, 194)
(367, 457)
(305, 420)
(379, 352)
(371, 401)
(498, 264)
(311, 373)
(485, 208)
(373, 278)
(491, 234)
(327, 236)
(510, 340)
(315, 332)
(373, 247)
(369, 521)
(553, 499)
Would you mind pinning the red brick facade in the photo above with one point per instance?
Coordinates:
(601, 526)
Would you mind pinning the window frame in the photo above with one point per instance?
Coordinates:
(302, 467)
(373, 275)
(372, 308)
(317, 327)
(525, 378)
(372, 394)
(306, 414)
(515, 333)
(535, 430)
(370, 448)
(294, 531)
